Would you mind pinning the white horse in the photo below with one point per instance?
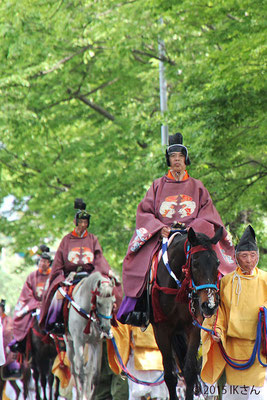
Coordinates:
(95, 297)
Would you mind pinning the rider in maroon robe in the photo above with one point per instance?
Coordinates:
(12, 367)
(173, 198)
(78, 251)
(29, 301)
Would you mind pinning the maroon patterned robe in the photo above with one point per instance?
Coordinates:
(7, 324)
(166, 201)
(74, 252)
(29, 300)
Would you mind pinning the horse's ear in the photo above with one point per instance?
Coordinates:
(192, 237)
(217, 236)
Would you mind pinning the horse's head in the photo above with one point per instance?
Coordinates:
(204, 270)
(104, 303)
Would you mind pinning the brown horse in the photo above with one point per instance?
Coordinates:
(180, 301)
(43, 354)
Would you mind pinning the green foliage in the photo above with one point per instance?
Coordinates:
(80, 116)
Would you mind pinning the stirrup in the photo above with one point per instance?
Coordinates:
(137, 318)
(58, 328)
(18, 347)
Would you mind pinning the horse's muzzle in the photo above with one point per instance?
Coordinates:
(209, 306)
(106, 335)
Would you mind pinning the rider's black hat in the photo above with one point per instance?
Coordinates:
(247, 241)
(46, 256)
(176, 146)
(81, 213)
(3, 304)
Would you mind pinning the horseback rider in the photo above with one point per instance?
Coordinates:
(174, 198)
(242, 293)
(79, 251)
(12, 367)
(29, 301)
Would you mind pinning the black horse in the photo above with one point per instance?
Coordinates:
(176, 309)
(43, 354)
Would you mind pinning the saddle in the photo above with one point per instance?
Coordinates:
(79, 276)
(73, 281)
(76, 283)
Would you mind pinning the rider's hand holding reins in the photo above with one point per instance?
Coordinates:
(165, 231)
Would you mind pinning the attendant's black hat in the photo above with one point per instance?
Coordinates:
(247, 241)
(175, 146)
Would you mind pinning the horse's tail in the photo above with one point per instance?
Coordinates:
(179, 346)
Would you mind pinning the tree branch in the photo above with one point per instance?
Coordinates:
(76, 94)
(151, 55)
(24, 164)
(95, 107)
(249, 162)
(230, 16)
(60, 62)
(102, 86)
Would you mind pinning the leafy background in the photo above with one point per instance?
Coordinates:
(80, 115)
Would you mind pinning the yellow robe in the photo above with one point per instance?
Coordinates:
(241, 297)
(61, 368)
(146, 353)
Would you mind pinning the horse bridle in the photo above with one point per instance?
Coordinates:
(95, 294)
(209, 287)
(189, 251)
(82, 312)
(194, 288)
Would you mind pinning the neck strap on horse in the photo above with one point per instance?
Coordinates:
(188, 252)
(166, 261)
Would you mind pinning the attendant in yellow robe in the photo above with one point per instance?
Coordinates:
(242, 293)
(140, 353)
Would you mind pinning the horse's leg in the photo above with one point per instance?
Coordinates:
(164, 339)
(2, 386)
(36, 380)
(50, 384)
(92, 368)
(56, 393)
(77, 363)
(191, 365)
(26, 380)
(16, 388)
(43, 380)
(70, 354)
